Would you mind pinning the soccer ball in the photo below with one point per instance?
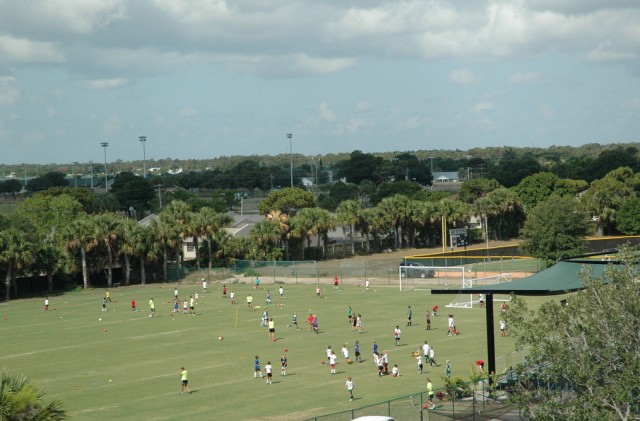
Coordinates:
(286, 350)
(100, 319)
(150, 315)
(220, 338)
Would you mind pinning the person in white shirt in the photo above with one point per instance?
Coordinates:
(349, 385)
(332, 362)
(345, 353)
(395, 371)
(281, 292)
(268, 369)
(425, 351)
(420, 366)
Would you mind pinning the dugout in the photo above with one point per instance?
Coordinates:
(560, 278)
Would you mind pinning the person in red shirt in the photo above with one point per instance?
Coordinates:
(310, 319)
(335, 282)
(133, 305)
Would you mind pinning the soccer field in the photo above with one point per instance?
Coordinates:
(126, 366)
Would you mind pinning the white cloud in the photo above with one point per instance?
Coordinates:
(363, 105)
(355, 124)
(112, 125)
(632, 104)
(482, 107)
(604, 52)
(9, 92)
(326, 113)
(22, 50)
(464, 77)
(189, 112)
(195, 12)
(105, 84)
(523, 78)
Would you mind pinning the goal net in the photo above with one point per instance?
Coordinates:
(418, 277)
(469, 300)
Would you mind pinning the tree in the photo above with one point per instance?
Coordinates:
(348, 213)
(133, 192)
(22, 400)
(360, 166)
(590, 347)
(628, 217)
(605, 196)
(287, 201)
(78, 237)
(406, 188)
(107, 231)
(555, 229)
(12, 186)
(15, 254)
(513, 168)
(476, 188)
(46, 181)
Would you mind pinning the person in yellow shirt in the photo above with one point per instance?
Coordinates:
(152, 308)
(184, 375)
(430, 394)
(272, 329)
(250, 302)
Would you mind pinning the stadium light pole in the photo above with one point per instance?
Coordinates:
(290, 136)
(143, 139)
(432, 180)
(91, 164)
(105, 145)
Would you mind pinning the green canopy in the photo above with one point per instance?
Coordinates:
(558, 279)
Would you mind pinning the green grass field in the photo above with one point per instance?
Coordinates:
(127, 366)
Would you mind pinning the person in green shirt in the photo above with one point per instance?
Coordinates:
(430, 394)
(409, 315)
(184, 375)
(349, 314)
(447, 370)
(152, 308)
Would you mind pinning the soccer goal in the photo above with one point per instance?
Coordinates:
(418, 277)
(469, 300)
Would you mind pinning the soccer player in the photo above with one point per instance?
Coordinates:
(409, 314)
(268, 369)
(447, 369)
(430, 394)
(232, 295)
(272, 330)
(356, 351)
(294, 321)
(184, 375)
(185, 307)
(133, 305)
(152, 308)
(349, 385)
(46, 304)
(257, 282)
(345, 353)
(250, 302)
(204, 286)
(107, 295)
(283, 365)
(224, 291)
(428, 316)
(395, 371)
(420, 366)
(281, 292)
(396, 335)
(192, 308)
(256, 368)
(175, 294)
(317, 292)
(104, 304)
(335, 282)
(332, 362)
(503, 327)
(269, 298)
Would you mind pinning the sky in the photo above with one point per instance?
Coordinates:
(208, 78)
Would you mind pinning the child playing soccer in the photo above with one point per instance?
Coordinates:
(349, 385)
(257, 368)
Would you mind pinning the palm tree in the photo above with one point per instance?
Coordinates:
(49, 258)
(177, 216)
(21, 400)
(396, 212)
(107, 232)
(130, 236)
(265, 236)
(283, 223)
(15, 254)
(348, 213)
(206, 223)
(78, 237)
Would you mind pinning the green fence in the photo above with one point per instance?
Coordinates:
(480, 403)
(377, 272)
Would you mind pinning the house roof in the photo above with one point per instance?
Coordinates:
(558, 279)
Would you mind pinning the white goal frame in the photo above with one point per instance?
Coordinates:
(440, 273)
(461, 302)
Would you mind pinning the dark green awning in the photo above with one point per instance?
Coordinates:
(558, 279)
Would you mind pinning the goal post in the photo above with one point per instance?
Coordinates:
(468, 300)
(418, 277)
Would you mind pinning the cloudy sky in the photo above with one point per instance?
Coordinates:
(207, 78)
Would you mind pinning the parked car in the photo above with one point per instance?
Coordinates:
(416, 270)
